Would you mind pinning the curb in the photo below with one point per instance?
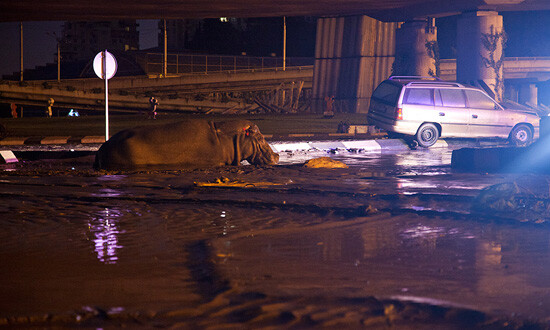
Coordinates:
(279, 143)
(93, 139)
(366, 145)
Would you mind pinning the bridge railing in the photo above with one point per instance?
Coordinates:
(177, 64)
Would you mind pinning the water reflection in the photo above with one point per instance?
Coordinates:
(489, 267)
(105, 233)
(223, 222)
(424, 157)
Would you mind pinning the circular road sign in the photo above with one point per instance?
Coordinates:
(110, 62)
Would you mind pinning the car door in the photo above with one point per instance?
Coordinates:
(453, 115)
(486, 116)
(418, 106)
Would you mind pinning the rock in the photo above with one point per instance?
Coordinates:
(324, 162)
(524, 200)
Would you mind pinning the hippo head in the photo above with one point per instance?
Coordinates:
(254, 148)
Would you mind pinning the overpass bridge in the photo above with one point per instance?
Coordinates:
(357, 42)
(229, 91)
(529, 69)
(232, 89)
(520, 76)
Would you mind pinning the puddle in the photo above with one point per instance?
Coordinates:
(502, 270)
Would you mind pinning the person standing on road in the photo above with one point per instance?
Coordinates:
(153, 103)
(329, 113)
(49, 110)
(13, 107)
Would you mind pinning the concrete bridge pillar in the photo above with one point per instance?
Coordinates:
(353, 55)
(416, 49)
(528, 94)
(479, 50)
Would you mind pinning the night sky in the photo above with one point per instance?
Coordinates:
(528, 34)
(39, 46)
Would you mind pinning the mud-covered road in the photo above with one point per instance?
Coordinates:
(391, 241)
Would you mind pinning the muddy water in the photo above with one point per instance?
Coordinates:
(75, 241)
(496, 269)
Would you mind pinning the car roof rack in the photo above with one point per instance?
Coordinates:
(414, 78)
(440, 83)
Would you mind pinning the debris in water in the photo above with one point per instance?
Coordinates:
(324, 162)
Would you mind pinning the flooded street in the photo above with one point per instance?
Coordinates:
(391, 241)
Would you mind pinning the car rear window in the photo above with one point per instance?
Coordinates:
(387, 93)
(478, 100)
(420, 96)
(453, 98)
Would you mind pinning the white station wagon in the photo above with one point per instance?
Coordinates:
(424, 109)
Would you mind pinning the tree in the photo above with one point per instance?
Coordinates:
(491, 42)
(432, 48)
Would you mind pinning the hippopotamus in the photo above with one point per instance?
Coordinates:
(191, 143)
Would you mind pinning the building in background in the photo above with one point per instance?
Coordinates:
(240, 36)
(83, 40)
(179, 32)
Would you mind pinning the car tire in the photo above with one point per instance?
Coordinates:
(521, 135)
(427, 135)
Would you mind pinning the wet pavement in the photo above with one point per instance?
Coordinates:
(391, 241)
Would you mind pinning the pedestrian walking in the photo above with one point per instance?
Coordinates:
(153, 103)
(49, 109)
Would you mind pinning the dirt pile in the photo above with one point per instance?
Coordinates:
(526, 200)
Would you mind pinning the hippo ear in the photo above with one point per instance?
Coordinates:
(251, 129)
(246, 130)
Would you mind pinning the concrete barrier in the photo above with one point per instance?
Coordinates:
(13, 141)
(535, 158)
(55, 140)
(7, 156)
(92, 139)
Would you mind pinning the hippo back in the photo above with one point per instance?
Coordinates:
(186, 144)
(190, 143)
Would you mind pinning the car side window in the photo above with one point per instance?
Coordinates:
(453, 98)
(478, 100)
(420, 96)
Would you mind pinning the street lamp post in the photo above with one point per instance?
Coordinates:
(58, 40)
(58, 61)
(165, 62)
(284, 43)
(21, 51)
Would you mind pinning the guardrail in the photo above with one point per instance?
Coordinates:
(203, 64)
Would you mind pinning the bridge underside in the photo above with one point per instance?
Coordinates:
(384, 10)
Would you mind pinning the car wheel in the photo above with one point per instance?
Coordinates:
(427, 135)
(521, 135)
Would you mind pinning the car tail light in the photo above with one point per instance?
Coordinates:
(399, 114)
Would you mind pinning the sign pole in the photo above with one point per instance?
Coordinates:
(106, 95)
(105, 68)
